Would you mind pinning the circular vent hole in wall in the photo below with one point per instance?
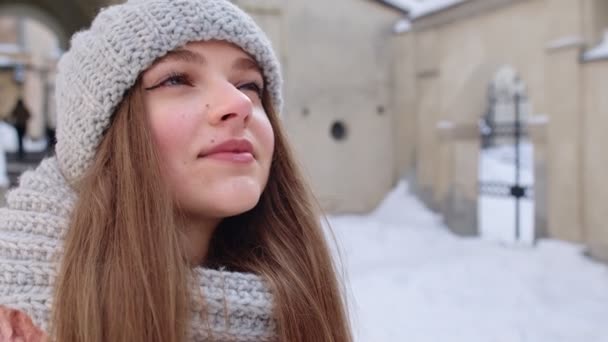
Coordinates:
(339, 131)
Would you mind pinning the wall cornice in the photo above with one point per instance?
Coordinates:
(458, 12)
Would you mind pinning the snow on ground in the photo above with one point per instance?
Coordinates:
(7, 140)
(8, 137)
(496, 215)
(413, 281)
(4, 183)
(9, 143)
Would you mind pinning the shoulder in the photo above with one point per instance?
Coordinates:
(17, 326)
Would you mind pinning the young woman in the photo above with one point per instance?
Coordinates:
(173, 209)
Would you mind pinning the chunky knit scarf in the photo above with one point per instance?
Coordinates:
(239, 305)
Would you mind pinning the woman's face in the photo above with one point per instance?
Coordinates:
(211, 131)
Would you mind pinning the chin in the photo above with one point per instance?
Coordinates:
(236, 205)
(231, 200)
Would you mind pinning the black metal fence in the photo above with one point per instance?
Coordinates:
(514, 131)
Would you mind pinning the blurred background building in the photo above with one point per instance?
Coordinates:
(28, 53)
(383, 90)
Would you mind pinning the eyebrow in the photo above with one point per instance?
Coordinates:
(188, 56)
(246, 64)
(183, 55)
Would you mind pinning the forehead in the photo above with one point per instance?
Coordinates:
(203, 51)
(216, 46)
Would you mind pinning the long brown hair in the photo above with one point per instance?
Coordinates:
(122, 251)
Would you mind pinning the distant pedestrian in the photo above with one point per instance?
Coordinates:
(51, 128)
(19, 118)
(51, 137)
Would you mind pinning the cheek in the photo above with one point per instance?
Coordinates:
(172, 129)
(266, 136)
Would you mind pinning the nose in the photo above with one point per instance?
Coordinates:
(230, 106)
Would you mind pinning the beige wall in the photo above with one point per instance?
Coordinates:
(573, 188)
(9, 92)
(338, 67)
(564, 134)
(562, 83)
(595, 158)
(8, 29)
(403, 99)
(595, 13)
(426, 62)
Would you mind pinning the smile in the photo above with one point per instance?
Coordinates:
(233, 150)
(235, 157)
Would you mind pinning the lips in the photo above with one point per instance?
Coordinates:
(236, 150)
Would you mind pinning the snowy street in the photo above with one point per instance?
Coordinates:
(413, 281)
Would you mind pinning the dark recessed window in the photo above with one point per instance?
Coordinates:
(339, 131)
(380, 110)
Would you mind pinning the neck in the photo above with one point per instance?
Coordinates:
(197, 236)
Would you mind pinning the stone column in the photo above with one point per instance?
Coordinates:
(459, 208)
(537, 128)
(563, 153)
(595, 158)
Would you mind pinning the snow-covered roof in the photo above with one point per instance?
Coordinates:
(598, 52)
(418, 8)
(566, 41)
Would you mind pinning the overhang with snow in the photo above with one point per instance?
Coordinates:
(600, 52)
(415, 9)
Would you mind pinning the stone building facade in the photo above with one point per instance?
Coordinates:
(456, 53)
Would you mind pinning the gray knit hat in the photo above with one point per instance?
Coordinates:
(124, 40)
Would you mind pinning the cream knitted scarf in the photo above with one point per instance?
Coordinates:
(239, 305)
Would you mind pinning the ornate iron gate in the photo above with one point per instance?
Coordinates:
(513, 131)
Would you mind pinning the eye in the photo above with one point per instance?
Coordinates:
(173, 80)
(254, 87)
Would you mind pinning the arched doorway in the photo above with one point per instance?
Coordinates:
(63, 17)
(506, 163)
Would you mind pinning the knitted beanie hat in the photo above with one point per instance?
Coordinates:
(104, 61)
